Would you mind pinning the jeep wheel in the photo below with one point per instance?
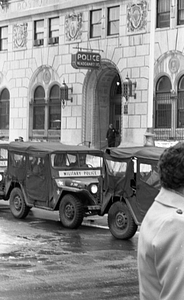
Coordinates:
(120, 221)
(18, 206)
(71, 211)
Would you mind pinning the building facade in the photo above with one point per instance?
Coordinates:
(64, 67)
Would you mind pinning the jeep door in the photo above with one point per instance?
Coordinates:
(147, 185)
(118, 174)
(37, 179)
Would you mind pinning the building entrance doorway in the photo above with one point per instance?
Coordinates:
(102, 102)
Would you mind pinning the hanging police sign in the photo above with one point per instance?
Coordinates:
(86, 60)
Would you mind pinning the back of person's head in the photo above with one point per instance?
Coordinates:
(171, 167)
(59, 159)
(82, 156)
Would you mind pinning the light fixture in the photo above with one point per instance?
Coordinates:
(129, 88)
(173, 94)
(64, 92)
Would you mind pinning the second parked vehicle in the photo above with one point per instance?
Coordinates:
(130, 186)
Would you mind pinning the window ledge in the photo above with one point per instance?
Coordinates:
(179, 26)
(112, 36)
(95, 38)
(162, 29)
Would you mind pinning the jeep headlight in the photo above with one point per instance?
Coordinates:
(94, 188)
(1, 177)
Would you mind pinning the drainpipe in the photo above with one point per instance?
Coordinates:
(149, 135)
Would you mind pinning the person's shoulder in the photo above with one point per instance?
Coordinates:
(170, 226)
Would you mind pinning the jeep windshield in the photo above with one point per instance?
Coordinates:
(3, 158)
(70, 164)
(116, 168)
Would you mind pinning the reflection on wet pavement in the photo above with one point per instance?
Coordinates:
(39, 259)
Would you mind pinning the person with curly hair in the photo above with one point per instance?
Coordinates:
(161, 238)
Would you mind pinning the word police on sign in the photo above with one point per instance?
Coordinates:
(86, 60)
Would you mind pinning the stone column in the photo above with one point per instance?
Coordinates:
(151, 69)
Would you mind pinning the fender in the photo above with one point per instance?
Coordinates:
(132, 212)
(105, 202)
(84, 195)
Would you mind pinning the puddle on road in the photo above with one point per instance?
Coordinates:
(17, 266)
(44, 248)
(52, 252)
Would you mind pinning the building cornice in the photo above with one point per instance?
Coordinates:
(17, 9)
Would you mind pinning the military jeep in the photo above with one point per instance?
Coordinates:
(54, 176)
(130, 185)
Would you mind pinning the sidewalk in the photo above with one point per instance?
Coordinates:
(96, 221)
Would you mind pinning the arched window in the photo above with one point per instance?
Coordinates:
(54, 108)
(4, 109)
(180, 103)
(39, 108)
(163, 105)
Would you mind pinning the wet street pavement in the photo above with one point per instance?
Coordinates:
(39, 259)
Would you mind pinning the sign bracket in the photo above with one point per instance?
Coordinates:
(88, 49)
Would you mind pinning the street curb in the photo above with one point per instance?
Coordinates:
(96, 221)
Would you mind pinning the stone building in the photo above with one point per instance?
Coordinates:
(69, 68)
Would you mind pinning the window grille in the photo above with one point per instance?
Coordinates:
(39, 108)
(4, 109)
(54, 108)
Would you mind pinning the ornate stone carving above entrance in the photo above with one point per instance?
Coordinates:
(73, 26)
(137, 16)
(174, 64)
(20, 35)
(46, 75)
(170, 64)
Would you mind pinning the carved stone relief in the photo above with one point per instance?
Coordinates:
(73, 26)
(137, 16)
(20, 35)
(174, 64)
(46, 76)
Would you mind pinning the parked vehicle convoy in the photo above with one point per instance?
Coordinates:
(131, 184)
(53, 176)
(79, 181)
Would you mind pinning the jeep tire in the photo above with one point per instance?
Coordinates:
(18, 206)
(71, 211)
(120, 221)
